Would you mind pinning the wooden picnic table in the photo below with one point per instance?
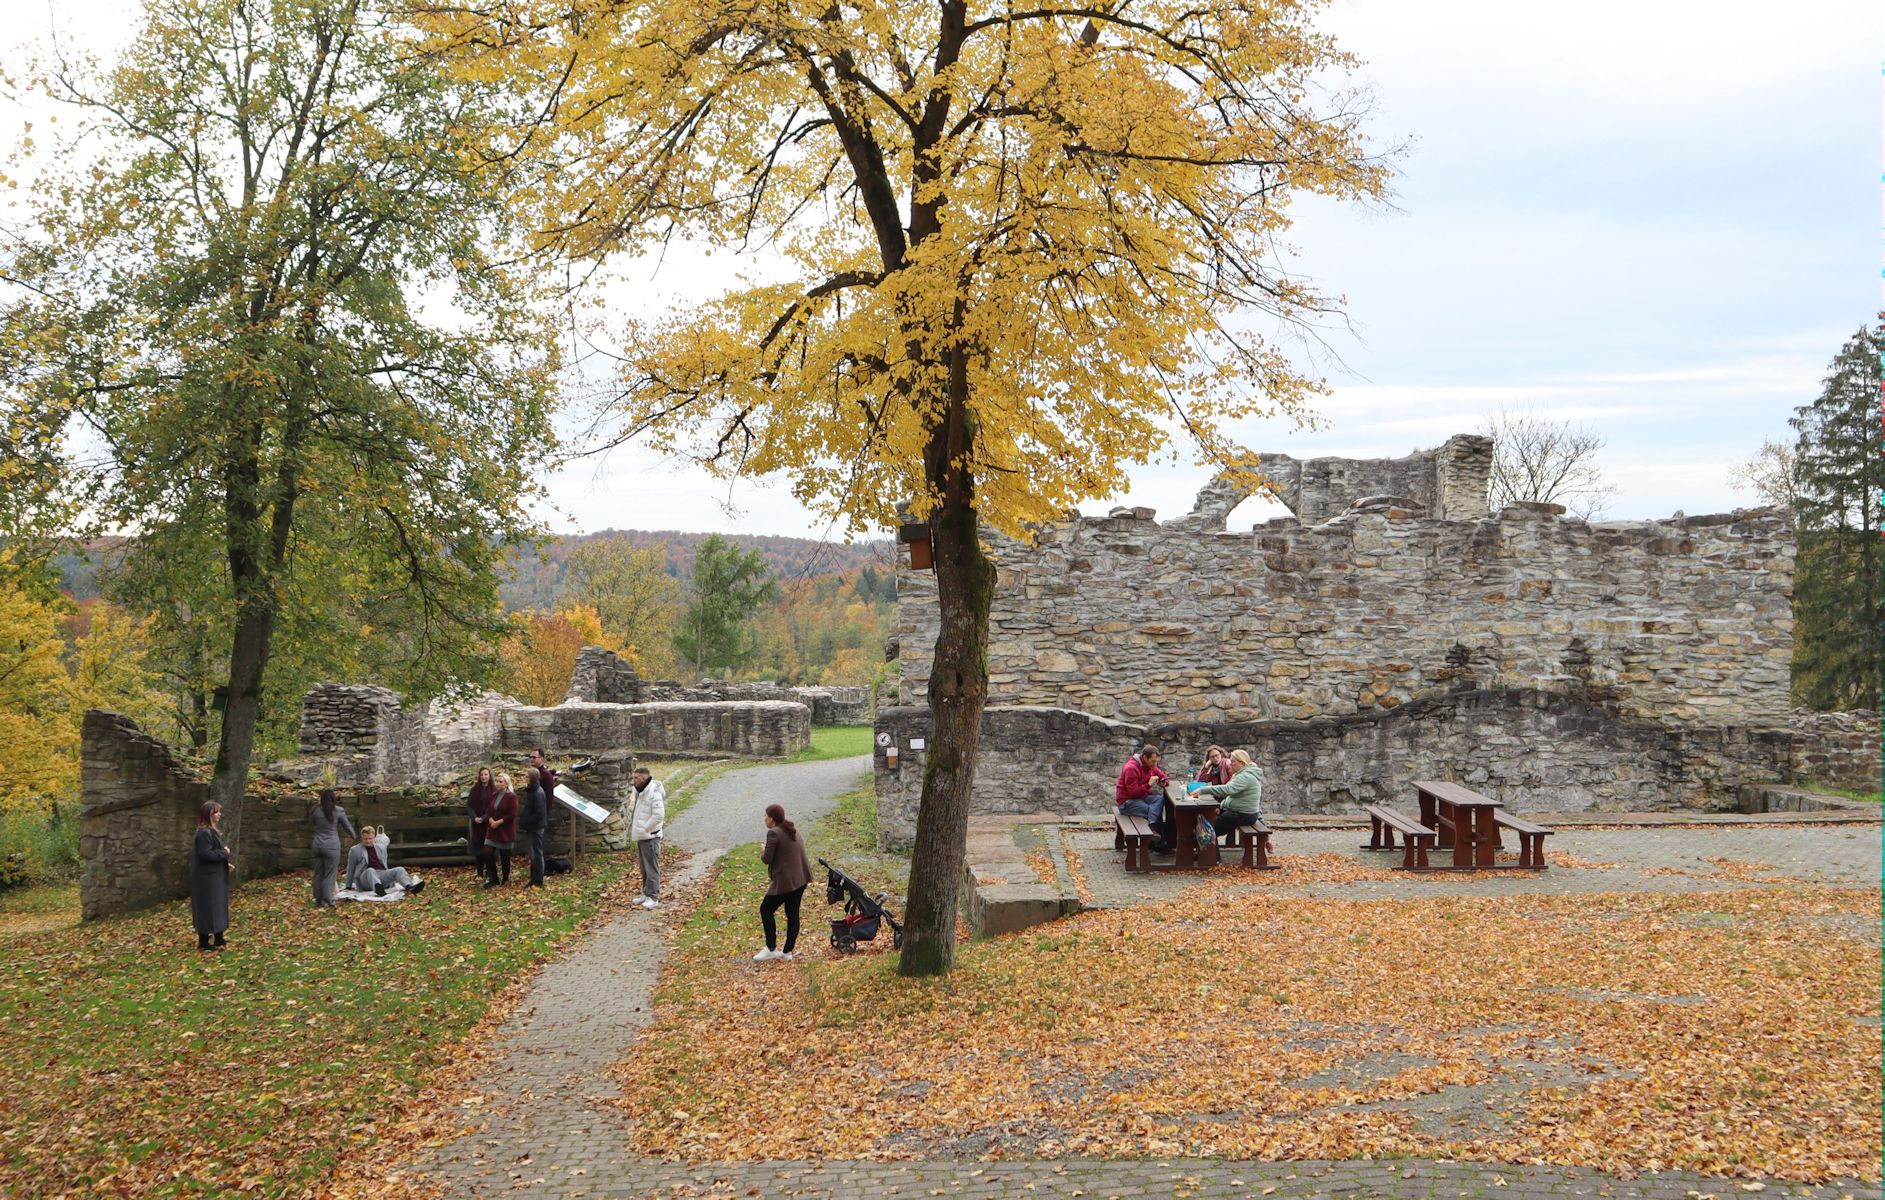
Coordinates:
(1464, 821)
(1186, 809)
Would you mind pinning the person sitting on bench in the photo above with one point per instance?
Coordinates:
(1242, 796)
(1140, 792)
(367, 870)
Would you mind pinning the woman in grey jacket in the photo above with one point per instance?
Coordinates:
(1242, 796)
(328, 819)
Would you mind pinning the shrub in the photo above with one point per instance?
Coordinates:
(36, 846)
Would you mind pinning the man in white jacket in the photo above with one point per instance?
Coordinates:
(645, 821)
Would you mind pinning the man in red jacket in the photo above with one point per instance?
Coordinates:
(1140, 792)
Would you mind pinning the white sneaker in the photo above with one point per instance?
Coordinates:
(786, 955)
(645, 902)
(765, 955)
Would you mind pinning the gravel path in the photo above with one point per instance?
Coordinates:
(730, 811)
(538, 1107)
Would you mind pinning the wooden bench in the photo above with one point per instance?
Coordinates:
(1384, 822)
(1255, 840)
(1531, 838)
(438, 841)
(1135, 837)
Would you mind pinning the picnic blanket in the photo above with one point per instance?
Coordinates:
(392, 893)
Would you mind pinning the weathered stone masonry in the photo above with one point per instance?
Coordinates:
(139, 804)
(1393, 628)
(1685, 620)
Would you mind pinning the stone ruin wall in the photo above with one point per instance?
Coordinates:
(602, 676)
(1392, 629)
(1537, 751)
(391, 764)
(1837, 750)
(1686, 620)
(138, 818)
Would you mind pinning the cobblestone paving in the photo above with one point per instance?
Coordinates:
(544, 1134)
(1645, 860)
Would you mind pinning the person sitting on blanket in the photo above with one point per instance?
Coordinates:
(367, 870)
(1242, 796)
(1140, 792)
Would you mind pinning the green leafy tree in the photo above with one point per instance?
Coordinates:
(273, 303)
(727, 588)
(1838, 471)
(638, 601)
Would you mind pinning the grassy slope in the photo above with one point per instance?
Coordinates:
(836, 741)
(139, 1066)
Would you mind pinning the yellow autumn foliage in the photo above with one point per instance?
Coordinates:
(539, 655)
(1068, 217)
(38, 741)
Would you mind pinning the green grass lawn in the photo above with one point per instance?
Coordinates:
(137, 1065)
(836, 741)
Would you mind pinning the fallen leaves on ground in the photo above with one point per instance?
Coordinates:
(1717, 1033)
(138, 1065)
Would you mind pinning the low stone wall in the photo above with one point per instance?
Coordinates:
(138, 820)
(761, 729)
(1838, 750)
(829, 705)
(1536, 751)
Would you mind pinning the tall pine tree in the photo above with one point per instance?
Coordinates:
(1836, 593)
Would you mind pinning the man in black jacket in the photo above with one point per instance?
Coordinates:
(533, 817)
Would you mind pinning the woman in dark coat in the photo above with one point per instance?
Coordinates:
(478, 809)
(789, 869)
(210, 869)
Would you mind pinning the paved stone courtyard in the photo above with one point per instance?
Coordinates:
(542, 1131)
(1666, 858)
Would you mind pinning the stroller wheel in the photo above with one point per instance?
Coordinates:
(846, 944)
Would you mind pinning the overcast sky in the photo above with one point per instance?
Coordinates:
(1657, 218)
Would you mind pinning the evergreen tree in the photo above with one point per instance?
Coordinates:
(727, 589)
(1836, 592)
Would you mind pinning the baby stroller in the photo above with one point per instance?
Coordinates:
(863, 912)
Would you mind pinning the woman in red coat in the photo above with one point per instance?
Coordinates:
(478, 811)
(500, 832)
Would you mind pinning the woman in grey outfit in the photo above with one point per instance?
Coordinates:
(210, 868)
(328, 819)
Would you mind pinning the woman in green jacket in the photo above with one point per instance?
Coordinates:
(1242, 796)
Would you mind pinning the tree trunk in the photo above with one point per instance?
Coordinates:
(248, 656)
(958, 691)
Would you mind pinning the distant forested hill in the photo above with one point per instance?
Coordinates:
(536, 579)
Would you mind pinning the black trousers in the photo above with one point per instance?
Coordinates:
(770, 905)
(492, 857)
(1228, 822)
(533, 840)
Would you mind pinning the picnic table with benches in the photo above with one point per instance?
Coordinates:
(1134, 835)
(1456, 818)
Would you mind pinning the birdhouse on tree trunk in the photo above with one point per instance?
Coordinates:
(917, 538)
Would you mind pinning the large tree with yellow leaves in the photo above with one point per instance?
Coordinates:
(1023, 245)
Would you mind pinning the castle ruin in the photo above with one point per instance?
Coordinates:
(1392, 628)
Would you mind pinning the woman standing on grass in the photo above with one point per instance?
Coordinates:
(478, 803)
(210, 869)
(500, 835)
(791, 870)
(328, 819)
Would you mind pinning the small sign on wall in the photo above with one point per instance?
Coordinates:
(916, 743)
